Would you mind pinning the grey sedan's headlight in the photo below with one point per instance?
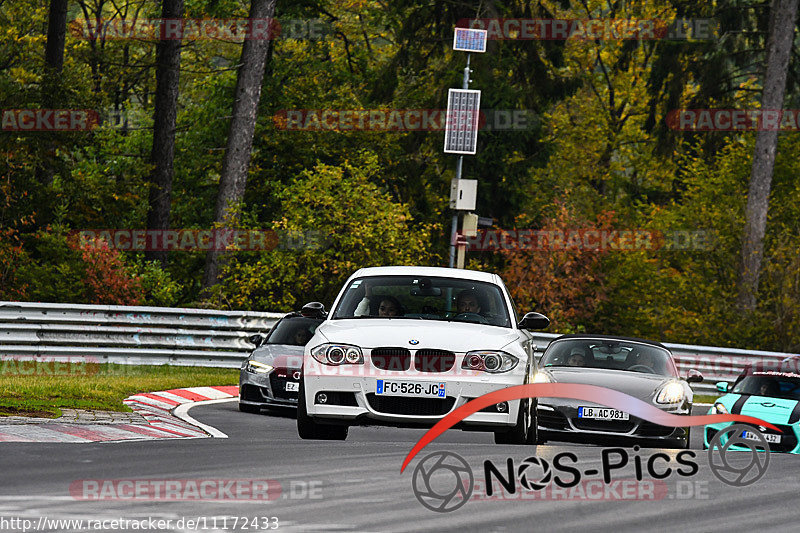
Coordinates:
(338, 354)
(492, 361)
(543, 377)
(672, 392)
(256, 367)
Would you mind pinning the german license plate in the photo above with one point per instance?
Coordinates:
(292, 386)
(409, 388)
(773, 439)
(602, 413)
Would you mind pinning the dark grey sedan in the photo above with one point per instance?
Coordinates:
(643, 369)
(270, 376)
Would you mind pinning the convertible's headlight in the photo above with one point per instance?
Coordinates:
(338, 354)
(719, 409)
(670, 393)
(543, 377)
(492, 361)
(257, 367)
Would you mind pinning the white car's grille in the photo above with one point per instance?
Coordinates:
(399, 359)
(395, 359)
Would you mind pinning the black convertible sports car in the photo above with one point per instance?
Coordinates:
(270, 376)
(640, 368)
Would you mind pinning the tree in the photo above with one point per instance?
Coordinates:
(168, 62)
(54, 61)
(779, 48)
(233, 178)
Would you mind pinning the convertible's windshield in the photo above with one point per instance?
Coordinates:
(424, 298)
(773, 386)
(610, 354)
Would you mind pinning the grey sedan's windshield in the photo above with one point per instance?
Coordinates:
(611, 355)
(424, 298)
(296, 331)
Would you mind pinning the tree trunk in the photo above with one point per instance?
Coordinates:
(51, 86)
(56, 31)
(168, 62)
(240, 135)
(779, 46)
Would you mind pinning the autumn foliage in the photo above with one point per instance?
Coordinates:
(568, 284)
(108, 279)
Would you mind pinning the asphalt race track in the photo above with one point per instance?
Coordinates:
(357, 486)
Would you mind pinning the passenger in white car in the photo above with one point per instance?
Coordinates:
(388, 307)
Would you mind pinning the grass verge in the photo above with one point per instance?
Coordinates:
(44, 391)
(705, 398)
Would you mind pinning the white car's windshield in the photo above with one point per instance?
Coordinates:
(424, 298)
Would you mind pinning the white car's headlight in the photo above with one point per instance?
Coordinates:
(670, 393)
(492, 361)
(719, 409)
(257, 367)
(338, 354)
(543, 377)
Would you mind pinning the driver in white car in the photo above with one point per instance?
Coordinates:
(467, 302)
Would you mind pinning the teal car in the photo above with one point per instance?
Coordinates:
(769, 391)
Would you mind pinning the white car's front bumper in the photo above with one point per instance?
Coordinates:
(352, 398)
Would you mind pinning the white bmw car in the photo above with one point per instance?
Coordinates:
(404, 346)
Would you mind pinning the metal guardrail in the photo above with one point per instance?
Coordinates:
(202, 337)
(716, 364)
(128, 334)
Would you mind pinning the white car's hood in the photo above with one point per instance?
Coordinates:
(397, 332)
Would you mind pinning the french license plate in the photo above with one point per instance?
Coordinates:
(602, 413)
(410, 388)
(774, 439)
(292, 386)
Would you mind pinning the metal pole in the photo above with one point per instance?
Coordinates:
(459, 167)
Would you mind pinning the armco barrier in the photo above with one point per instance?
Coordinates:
(202, 337)
(127, 334)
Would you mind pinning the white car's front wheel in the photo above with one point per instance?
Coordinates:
(308, 429)
(521, 432)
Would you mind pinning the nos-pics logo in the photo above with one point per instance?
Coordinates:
(443, 481)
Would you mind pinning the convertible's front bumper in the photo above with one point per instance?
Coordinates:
(558, 419)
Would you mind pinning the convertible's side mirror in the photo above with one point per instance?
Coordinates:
(256, 339)
(533, 321)
(694, 377)
(722, 386)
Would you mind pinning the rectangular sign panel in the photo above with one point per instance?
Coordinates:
(469, 40)
(461, 128)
